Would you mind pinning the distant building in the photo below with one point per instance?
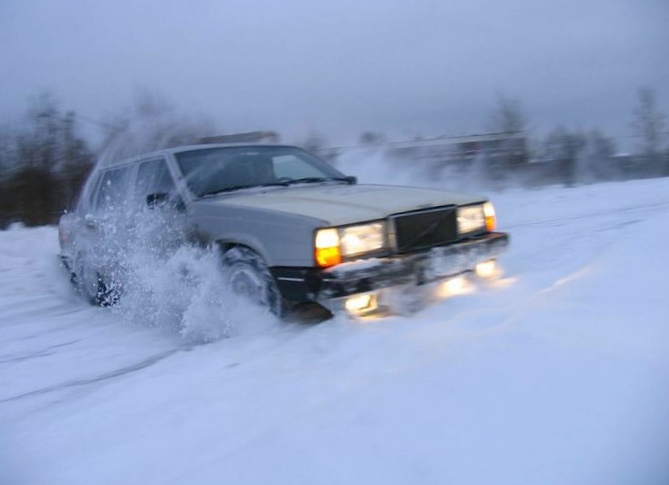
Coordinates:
(445, 150)
(249, 137)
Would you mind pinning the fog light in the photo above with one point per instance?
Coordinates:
(453, 286)
(361, 303)
(486, 269)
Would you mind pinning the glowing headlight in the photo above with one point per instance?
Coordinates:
(334, 244)
(364, 238)
(471, 218)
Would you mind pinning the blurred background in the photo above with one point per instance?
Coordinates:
(460, 94)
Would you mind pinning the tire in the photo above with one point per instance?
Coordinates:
(249, 277)
(90, 284)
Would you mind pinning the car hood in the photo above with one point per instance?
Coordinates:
(345, 204)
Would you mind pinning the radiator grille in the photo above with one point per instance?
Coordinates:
(424, 229)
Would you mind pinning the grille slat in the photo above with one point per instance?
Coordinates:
(425, 229)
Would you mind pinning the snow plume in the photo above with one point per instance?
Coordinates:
(166, 281)
(150, 124)
(373, 165)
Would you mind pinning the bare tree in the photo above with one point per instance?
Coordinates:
(508, 119)
(43, 162)
(8, 156)
(649, 125)
(596, 160)
(39, 144)
(76, 159)
(314, 141)
(564, 148)
(508, 116)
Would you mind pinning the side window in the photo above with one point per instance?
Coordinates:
(90, 192)
(113, 191)
(153, 177)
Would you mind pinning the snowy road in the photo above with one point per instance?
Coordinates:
(557, 374)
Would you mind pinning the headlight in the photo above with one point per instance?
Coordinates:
(364, 238)
(332, 245)
(471, 218)
(475, 218)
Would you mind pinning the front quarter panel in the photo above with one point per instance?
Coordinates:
(281, 239)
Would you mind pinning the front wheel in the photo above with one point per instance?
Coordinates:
(249, 277)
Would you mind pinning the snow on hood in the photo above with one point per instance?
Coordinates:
(342, 204)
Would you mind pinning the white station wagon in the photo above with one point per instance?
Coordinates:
(291, 229)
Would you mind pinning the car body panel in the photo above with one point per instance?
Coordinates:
(282, 240)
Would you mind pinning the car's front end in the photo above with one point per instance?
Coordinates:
(360, 286)
(326, 239)
(355, 264)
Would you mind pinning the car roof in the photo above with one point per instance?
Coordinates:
(188, 148)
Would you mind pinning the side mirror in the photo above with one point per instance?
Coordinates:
(351, 179)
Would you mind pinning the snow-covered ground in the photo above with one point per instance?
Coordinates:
(556, 374)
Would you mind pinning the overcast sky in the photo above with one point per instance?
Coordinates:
(339, 67)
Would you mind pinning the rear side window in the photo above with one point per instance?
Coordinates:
(113, 191)
(153, 177)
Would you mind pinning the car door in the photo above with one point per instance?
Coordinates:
(161, 221)
(154, 185)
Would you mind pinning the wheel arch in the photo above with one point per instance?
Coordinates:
(227, 244)
(257, 264)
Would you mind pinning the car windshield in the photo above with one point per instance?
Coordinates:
(214, 170)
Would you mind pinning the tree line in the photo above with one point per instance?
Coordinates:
(42, 164)
(507, 153)
(45, 160)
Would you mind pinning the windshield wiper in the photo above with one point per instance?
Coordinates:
(226, 189)
(311, 180)
(283, 183)
(232, 188)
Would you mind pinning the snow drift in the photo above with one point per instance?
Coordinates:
(556, 374)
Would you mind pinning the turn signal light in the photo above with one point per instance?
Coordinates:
(328, 249)
(326, 257)
(490, 217)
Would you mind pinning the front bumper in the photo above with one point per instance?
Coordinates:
(369, 275)
(437, 263)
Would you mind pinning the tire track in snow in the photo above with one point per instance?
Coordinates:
(102, 377)
(51, 350)
(645, 209)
